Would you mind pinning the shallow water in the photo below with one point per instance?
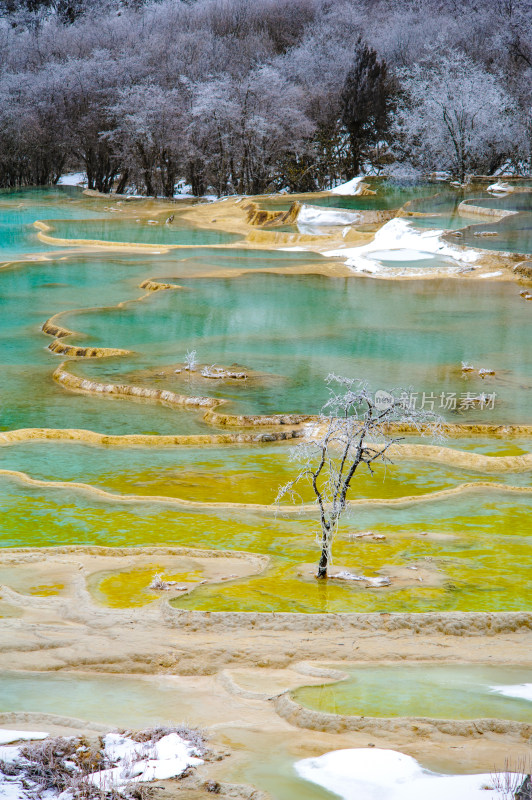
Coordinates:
(390, 194)
(422, 690)
(19, 210)
(513, 235)
(520, 201)
(226, 474)
(260, 758)
(473, 545)
(129, 230)
(122, 701)
(295, 329)
(29, 295)
(288, 332)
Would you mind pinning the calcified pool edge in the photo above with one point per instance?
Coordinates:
(242, 218)
(160, 639)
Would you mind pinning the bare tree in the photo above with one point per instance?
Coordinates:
(354, 428)
(514, 782)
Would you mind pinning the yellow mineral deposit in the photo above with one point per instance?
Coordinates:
(150, 576)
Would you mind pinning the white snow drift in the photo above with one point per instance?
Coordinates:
(323, 216)
(362, 774)
(523, 691)
(8, 736)
(146, 761)
(350, 187)
(398, 241)
(133, 762)
(73, 179)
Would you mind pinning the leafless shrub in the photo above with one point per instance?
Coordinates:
(159, 584)
(10, 768)
(69, 764)
(138, 791)
(50, 763)
(191, 361)
(514, 783)
(195, 737)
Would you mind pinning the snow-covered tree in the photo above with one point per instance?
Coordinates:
(244, 127)
(455, 115)
(353, 431)
(149, 136)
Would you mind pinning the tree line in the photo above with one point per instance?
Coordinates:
(249, 97)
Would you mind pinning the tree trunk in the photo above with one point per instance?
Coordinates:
(324, 559)
(355, 155)
(122, 182)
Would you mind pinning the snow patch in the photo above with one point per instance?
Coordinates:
(183, 189)
(295, 249)
(362, 774)
(397, 240)
(523, 691)
(73, 179)
(9, 755)
(147, 761)
(133, 762)
(322, 216)
(500, 188)
(8, 736)
(441, 175)
(350, 187)
(350, 576)
(491, 274)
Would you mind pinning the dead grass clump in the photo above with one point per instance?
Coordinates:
(49, 764)
(191, 735)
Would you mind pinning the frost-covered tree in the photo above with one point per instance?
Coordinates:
(455, 115)
(274, 97)
(149, 136)
(243, 128)
(319, 66)
(353, 430)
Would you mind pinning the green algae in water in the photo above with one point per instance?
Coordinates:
(130, 588)
(480, 542)
(421, 690)
(226, 474)
(485, 548)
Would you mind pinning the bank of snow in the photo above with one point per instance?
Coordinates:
(127, 761)
(73, 179)
(311, 217)
(523, 691)
(168, 757)
(400, 242)
(363, 774)
(350, 187)
(8, 736)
